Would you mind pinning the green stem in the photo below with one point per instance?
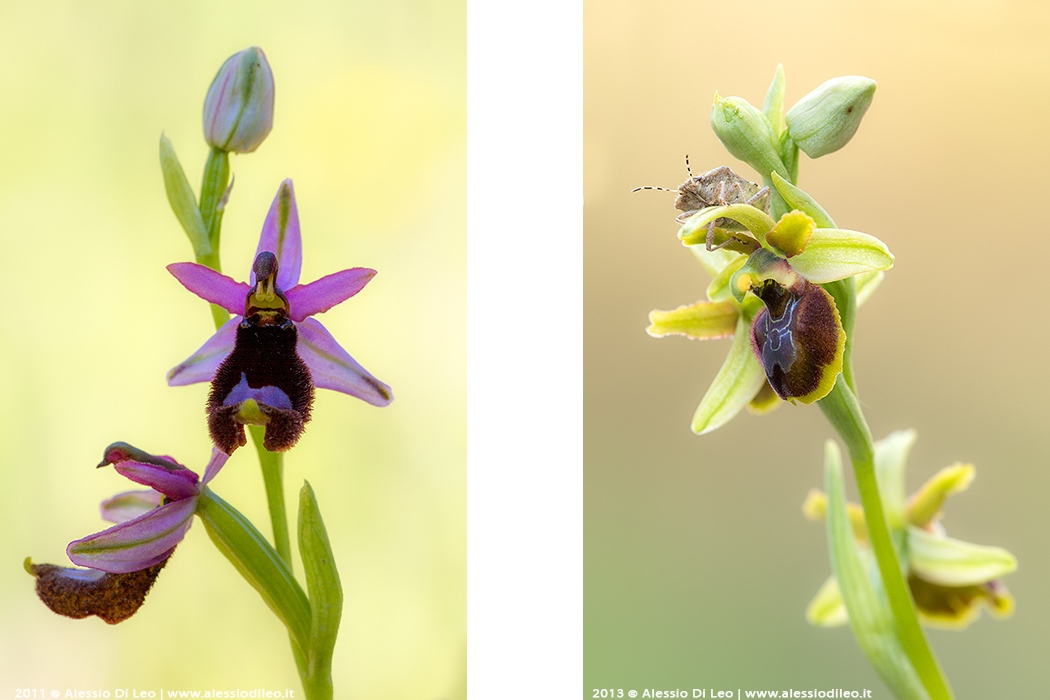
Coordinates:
(843, 412)
(213, 187)
(272, 464)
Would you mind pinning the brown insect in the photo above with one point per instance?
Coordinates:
(717, 187)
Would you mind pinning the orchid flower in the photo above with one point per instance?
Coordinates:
(769, 294)
(265, 361)
(124, 560)
(949, 579)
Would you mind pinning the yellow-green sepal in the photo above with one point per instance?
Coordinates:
(796, 198)
(701, 321)
(737, 382)
(891, 457)
(827, 609)
(835, 254)
(951, 562)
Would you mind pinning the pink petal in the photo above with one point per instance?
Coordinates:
(321, 295)
(211, 285)
(133, 545)
(201, 365)
(332, 368)
(176, 484)
(218, 458)
(284, 241)
(130, 504)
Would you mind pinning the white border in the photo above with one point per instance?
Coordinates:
(525, 349)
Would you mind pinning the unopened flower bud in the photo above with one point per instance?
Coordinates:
(238, 111)
(747, 134)
(825, 120)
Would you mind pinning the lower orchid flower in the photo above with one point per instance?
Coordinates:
(265, 361)
(769, 294)
(125, 559)
(949, 579)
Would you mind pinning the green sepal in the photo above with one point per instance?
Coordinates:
(867, 283)
(950, 562)
(827, 609)
(925, 505)
(323, 585)
(694, 230)
(215, 184)
(719, 289)
(182, 201)
(833, 254)
(869, 613)
(789, 154)
(737, 382)
(714, 261)
(259, 564)
(891, 457)
(773, 107)
(799, 199)
(701, 321)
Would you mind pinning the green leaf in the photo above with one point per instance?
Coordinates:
(869, 613)
(259, 564)
(796, 198)
(952, 562)
(322, 582)
(702, 320)
(181, 199)
(736, 383)
(834, 254)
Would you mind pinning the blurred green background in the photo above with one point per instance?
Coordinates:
(698, 562)
(371, 126)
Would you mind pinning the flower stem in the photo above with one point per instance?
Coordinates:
(272, 464)
(844, 413)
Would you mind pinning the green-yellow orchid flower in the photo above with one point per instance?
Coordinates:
(949, 579)
(768, 293)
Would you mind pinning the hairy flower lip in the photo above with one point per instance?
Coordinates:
(331, 367)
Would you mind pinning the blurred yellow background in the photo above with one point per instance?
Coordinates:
(698, 562)
(371, 126)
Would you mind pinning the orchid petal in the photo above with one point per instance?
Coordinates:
(702, 320)
(736, 383)
(952, 562)
(320, 295)
(955, 607)
(137, 543)
(129, 505)
(924, 506)
(218, 459)
(211, 285)
(332, 368)
(176, 483)
(835, 254)
(719, 289)
(201, 365)
(281, 236)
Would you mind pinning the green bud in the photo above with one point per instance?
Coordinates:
(825, 120)
(238, 111)
(747, 134)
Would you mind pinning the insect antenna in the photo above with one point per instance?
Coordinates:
(653, 187)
